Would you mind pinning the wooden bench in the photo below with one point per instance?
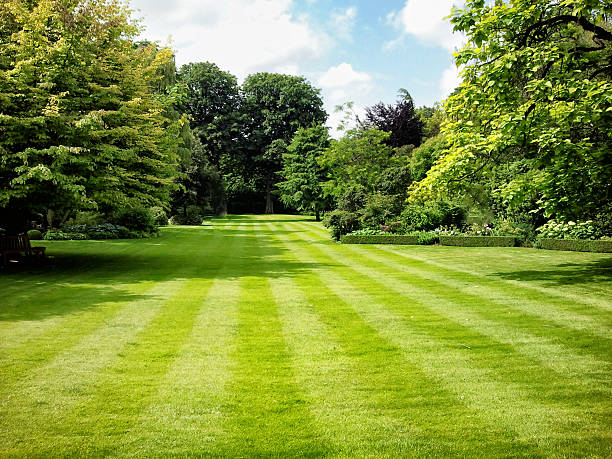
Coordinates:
(18, 245)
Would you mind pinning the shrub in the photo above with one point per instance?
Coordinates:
(193, 216)
(136, 219)
(426, 237)
(575, 245)
(103, 231)
(341, 222)
(524, 232)
(62, 236)
(160, 217)
(35, 235)
(2, 231)
(379, 239)
(569, 230)
(432, 215)
(478, 241)
(367, 232)
(378, 209)
(86, 218)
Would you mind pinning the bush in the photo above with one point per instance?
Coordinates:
(426, 237)
(193, 216)
(575, 245)
(524, 232)
(378, 209)
(62, 236)
(367, 232)
(103, 231)
(135, 219)
(433, 215)
(379, 239)
(86, 218)
(160, 217)
(35, 235)
(478, 241)
(341, 222)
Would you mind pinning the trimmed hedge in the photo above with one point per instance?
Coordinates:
(478, 241)
(575, 245)
(380, 239)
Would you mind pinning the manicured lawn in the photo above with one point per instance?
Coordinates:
(258, 336)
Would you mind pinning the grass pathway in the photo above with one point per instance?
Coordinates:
(259, 336)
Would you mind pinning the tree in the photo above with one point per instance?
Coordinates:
(532, 117)
(302, 172)
(82, 125)
(275, 107)
(400, 120)
(213, 104)
(357, 159)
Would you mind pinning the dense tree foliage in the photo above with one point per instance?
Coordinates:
(275, 107)
(531, 120)
(82, 121)
(302, 172)
(400, 120)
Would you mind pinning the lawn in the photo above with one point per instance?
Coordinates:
(259, 336)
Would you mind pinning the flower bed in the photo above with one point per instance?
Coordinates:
(379, 239)
(575, 245)
(478, 241)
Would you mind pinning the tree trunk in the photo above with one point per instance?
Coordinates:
(317, 214)
(269, 202)
(222, 209)
(50, 215)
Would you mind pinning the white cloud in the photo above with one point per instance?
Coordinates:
(341, 84)
(424, 19)
(450, 80)
(241, 36)
(342, 23)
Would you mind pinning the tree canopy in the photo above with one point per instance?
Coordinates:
(532, 118)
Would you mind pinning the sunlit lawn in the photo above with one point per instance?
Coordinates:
(259, 336)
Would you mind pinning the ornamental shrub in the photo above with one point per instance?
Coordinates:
(62, 236)
(478, 241)
(341, 222)
(160, 217)
(379, 239)
(569, 230)
(135, 219)
(193, 215)
(575, 245)
(432, 215)
(35, 235)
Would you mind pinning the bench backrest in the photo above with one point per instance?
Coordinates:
(10, 242)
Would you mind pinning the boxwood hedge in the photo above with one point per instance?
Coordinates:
(380, 239)
(478, 241)
(575, 245)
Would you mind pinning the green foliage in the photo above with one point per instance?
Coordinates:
(478, 241)
(341, 222)
(433, 215)
(378, 210)
(193, 215)
(575, 245)
(524, 232)
(368, 232)
(86, 218)
(569, 230)
(302, 172)
(35, 235)
(432, 119)
(426, 237)
(100, 231)
(135, 219)
(83, 124)
(54, 235)
(357, 159)
(424, 157)
(399, 120)
(160, 217)
(536, 101)
(379, 239)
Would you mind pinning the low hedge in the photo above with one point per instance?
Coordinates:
(380, 239)
(575, 245)
(478, 241)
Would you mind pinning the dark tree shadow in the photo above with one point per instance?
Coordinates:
(565, 274)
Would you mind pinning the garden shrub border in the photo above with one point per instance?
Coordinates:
(478, 241)
(380, 239)
(575, 245)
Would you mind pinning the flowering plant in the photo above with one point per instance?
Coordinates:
(569, 230)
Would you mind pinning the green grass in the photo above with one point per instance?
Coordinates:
(259, 336)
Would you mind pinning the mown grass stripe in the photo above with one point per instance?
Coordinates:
(533, 416)
(186, 416)
(81, 312)
(73, 376)
(587, 336)
(266, 413)
(408, 412)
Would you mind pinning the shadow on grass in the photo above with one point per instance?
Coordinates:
(565, 274)
(84, 274)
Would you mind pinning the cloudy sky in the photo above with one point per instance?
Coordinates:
(353, 50)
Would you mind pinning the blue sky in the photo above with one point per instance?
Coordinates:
(353, 50)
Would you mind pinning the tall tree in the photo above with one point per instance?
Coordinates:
(400, 120)
(213, 103)
(302, 172)
(275, 106)
(82, 125)
(532, 117)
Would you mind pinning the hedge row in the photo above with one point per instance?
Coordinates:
(478, 241)
(379, 239)
(575, 245)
